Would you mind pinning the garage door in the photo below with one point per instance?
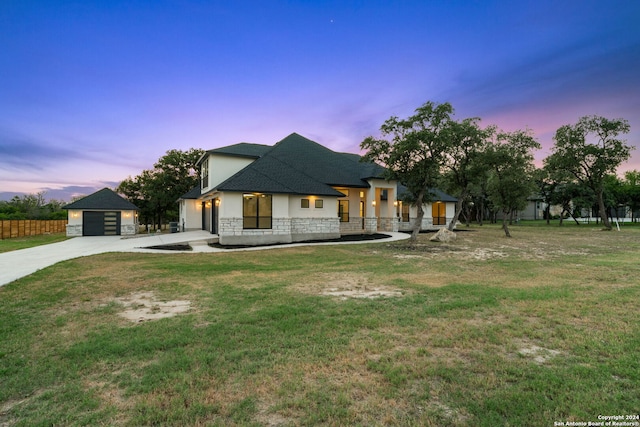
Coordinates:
(100, 223)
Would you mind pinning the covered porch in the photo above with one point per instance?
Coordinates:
(368, 210)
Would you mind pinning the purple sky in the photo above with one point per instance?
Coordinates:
(92, 92)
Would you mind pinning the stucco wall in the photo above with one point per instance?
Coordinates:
(222, 167)
(329, 207)
(191, 214)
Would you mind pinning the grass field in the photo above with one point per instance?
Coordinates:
(486, 331)
(14, 244)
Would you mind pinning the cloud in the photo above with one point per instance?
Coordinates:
(24, 153)
(566, 76)
(65, 193)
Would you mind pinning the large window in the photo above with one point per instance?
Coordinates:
(256, 211)
(343, 210)
(405, 212)
(205, 174)
(439, 212)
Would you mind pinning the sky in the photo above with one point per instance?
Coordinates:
(92, 92)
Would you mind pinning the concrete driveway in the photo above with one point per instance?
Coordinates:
(17, 264)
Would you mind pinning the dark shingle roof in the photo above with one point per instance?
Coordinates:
(301, 166)
(103, 199)
(242, 149)
(435, 194)
(273, 176)
(194, 193)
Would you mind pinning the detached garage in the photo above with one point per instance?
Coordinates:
(103, 213)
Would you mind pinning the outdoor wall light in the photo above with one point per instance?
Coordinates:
(373, 203)
(395, 203)
(217, 202)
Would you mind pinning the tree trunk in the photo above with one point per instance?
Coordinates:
(417, 224)
(454, 220)
(574, 217)
(603, 211)
(548, 213)
(505, 227)
(467, 215)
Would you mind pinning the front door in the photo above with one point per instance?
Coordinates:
(214, 216)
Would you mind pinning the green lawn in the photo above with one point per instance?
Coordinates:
(14, 244)
(486, 331)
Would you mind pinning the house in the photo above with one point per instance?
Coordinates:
(103, 213)
(437, 214)
(295, 190)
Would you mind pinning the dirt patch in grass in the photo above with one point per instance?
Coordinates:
(364, 292)
(537, 354)
(348, 285)
(143, 306)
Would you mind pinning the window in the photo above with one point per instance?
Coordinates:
(439, 213)
(405, 212)
(204, 183)
(304, 203)
(319, 203)
(256, 211)
(343, 210)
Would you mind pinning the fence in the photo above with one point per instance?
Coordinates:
(10, 229)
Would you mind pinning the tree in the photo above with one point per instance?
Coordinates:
(156, 191)
(414, 154)
(510, 160)
(631, 188)
(463, 166)
(589, 151)
(32, 206)
(547, 187)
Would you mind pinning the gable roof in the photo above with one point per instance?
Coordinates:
(103, 199)
(242, 149)
(301, 166)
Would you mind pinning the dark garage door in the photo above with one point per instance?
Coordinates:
(100, 223)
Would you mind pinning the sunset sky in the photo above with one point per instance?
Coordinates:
(92, 92)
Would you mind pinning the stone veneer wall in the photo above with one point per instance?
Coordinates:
(74, 230)
(128, 229)
(370, 225)
(388, 224)
(283, 230)
(352, 227)
(314, 228)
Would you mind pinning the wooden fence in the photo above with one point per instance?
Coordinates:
(10, 229)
